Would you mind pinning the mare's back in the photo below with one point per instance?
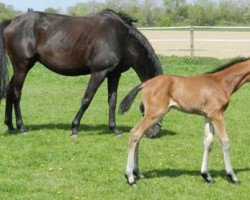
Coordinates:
(67, 44)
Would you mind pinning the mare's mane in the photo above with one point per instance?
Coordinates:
(138, 36)
(125, 17)
(233, 62)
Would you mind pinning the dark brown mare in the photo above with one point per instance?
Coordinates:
(103, 45)
(207, 95)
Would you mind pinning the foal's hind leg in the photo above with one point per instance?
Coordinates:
(154, 131)
(95, 81)
(208, 140)
(220, 126)
(134, 139)
(137, 132)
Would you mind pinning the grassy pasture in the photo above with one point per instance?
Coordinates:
(48, 164)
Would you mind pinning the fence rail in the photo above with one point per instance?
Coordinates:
(212, 39)
(197, 28)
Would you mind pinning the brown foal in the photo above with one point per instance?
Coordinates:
(206, 94)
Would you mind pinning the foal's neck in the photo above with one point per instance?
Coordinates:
(235, 76)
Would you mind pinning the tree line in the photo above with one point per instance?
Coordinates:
(161, 12)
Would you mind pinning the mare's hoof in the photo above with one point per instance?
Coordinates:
(119, 135)
(74, 136)
(11, 129)
(23, 130)
(154, 131)
(115, 131)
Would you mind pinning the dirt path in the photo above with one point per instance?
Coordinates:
(206, 43)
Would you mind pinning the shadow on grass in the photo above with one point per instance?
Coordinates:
(83, 129)
(181, 172)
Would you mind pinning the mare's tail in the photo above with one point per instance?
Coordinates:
(3, 61)
(128, 100)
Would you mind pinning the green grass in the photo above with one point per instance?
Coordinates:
(48, 164)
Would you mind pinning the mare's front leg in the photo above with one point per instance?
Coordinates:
(220, 127)
(208, 140)
(113, 81)
(95, 81)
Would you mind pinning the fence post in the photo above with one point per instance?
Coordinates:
(192, 40)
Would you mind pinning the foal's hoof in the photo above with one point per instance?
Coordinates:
(233, 179)
(74, 136)
(138, 175)
(237, 182)
(131, 182)
(209, 179)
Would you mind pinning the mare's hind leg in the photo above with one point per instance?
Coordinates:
(95, 81)
(208, 140)
(113, 81)
(220, 127)
(14, 96)
(9, 107)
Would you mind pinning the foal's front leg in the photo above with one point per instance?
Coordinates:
(220, 126)
(208, 140)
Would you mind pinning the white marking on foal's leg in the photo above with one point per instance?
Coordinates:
(130, 166)
(136, 170)
(208, 140)
(220, 126)
(230, 173)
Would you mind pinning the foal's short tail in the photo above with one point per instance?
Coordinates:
(128, 100)
(3, 61)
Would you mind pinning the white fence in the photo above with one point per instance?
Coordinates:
(222, 42)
